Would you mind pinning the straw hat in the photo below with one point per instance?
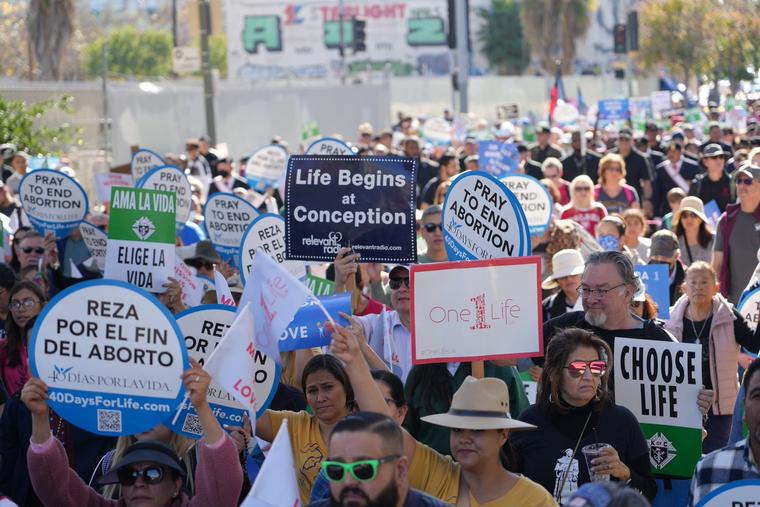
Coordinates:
(479, 404)
(564, 263)
(692, 204)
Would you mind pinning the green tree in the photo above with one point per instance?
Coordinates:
(218, 50)
(734, 33)
(131, 54)
(502, 37)
(20, 124)
(673, 35)
(552, 28)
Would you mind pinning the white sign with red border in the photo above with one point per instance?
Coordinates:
(476, 310)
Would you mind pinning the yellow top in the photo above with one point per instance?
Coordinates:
(525, 493)
(309, 450)
(439, 476)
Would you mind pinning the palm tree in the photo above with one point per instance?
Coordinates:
(552, 28)
(51, 26)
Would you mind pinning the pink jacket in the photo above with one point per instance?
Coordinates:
(218, 478)
(724, 351)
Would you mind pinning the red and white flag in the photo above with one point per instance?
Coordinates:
(223, 293)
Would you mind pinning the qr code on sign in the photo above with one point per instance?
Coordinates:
(192, 425)
(109, 420)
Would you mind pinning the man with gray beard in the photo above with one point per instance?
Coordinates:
(607, 287)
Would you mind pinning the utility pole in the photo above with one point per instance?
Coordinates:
(104, 92)
(463, 53)
(174, 23)
(208, 81)
(342, 49)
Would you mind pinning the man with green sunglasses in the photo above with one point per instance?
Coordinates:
(367, 467)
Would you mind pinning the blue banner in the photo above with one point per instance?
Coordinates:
(307, 330)
(656, 280)
(364, 203)
(613, 110)
(498, 159)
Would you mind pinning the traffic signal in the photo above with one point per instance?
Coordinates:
(619, 39)
(633, 31)
(360, 35)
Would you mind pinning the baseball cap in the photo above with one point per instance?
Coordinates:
(752, 171)
(664, 244)
(149, 451)
(625, 133)
(543, 127)
(713, 150)
(8, 150)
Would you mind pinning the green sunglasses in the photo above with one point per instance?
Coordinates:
(362, 471)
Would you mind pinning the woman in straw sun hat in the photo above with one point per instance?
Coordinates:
(480, 425)
(694, 235)
(567, 270)
(574, 410)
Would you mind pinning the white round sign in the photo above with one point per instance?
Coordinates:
(171, 179)
(226, 218)
(328, 146)
(111, 355)
(268, 233)
(203, 328)
(534, 199)
(96, 241)
(143, 161)
(53, 201)
(265, 167)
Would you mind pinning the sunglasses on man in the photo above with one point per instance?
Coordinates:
(362, 471)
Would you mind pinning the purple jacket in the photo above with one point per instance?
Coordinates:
(218, 478)
(726, 225)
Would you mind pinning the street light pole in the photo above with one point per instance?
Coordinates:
(463, 53)
(208, 82)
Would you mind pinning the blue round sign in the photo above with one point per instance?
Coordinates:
(203, 328)
(111, 355)
(53, 201)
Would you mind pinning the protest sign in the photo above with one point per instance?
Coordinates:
(104, 182)
(141, 232)
(226, 218)
(660, 102)
(266, 166)
(365, 203)
(436, 131)
(656, 280)
(659, 382)
(535, 200)
(611, 110)
(565, 113)
(111, 355)
(473, 311)
(530, 385)
(203, 328)
(498, 159)
(507, 112)
(712, 212)
(307, 329)
(267, 232)
(53, 201)
(170, 179)
(482, 219)
(143, 161)
(742, 493)
(319, 286)
(749, 307)
(328, 146)
(192, 288)
(95, 240)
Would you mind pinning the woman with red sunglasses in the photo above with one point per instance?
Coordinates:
(575, 409)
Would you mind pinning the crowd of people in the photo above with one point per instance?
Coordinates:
(369, 428)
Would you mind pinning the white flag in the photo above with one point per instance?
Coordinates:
(276, 484)
(232, 364)
(274, 296)
(75, 273)
(223, 293)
